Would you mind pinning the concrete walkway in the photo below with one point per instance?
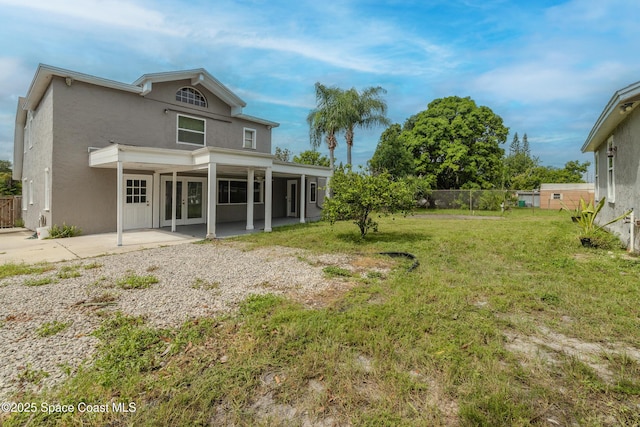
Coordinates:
(17, 245)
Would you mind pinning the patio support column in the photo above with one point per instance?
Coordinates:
(155, 199)
(119, 204)
(303, 199)
(250, 179)
(174, 202)
(327, 190)
(268, 195)
(211, 200)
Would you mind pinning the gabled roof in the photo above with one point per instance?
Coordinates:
(621, 104)
(142, 86)
(198, 76)
(45, 73)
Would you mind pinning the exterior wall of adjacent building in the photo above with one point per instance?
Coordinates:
(557, 196)
(626, 176)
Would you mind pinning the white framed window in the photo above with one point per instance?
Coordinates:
(313, 192)
(249, 138)
(611, 176)
(136, 191)
(234, 192)
(47, 191)
(30, 191)
(29, 121)
(191, 130)
(25, 193)
(191, 96)
(596, 168)
(556, 196)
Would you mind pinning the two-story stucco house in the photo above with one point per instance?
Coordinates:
(168, 149)
(615, 143)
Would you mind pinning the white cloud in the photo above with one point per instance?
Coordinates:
(118, 13)
(544, 81)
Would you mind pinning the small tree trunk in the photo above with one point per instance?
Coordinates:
(349, 138)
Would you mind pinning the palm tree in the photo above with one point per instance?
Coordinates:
(363, 109)
(327, 119)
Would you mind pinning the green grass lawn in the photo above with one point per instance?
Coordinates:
(505, 322)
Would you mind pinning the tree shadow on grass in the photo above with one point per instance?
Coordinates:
(402, 237)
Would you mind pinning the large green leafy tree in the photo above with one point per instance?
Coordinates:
(8, 187)
(572, 171)
(327, 119)
(364, 109)
(457, 143)
(311, 157)
(392, 155)
(356, 196)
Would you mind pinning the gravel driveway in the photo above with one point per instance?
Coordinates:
(194, 280)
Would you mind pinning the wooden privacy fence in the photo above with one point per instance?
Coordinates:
(10, 210)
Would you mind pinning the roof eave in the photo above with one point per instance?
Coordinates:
(45, 74)
(257, 120)
(612, 115)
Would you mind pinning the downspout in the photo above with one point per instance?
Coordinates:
(632, 227)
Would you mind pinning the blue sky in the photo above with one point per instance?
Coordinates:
(546, 67)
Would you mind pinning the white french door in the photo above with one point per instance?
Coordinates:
(191, 197)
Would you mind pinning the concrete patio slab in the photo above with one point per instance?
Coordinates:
(20, 246)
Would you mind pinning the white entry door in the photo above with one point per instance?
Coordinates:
(292, 198)
(191, 197)
(137, 201)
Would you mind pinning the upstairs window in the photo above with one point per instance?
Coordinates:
(249, 138)
(191, 130)
(191, 96)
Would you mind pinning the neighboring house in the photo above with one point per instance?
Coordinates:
(169, 149)
(557, 196)
(615, 143)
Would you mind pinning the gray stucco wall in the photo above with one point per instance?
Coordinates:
(36, 159)
(91, 116)
(312, 209)
(626, 138)
(71, 119)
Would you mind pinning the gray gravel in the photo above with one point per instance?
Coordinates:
(194, 280)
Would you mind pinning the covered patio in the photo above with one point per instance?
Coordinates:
(152, 182)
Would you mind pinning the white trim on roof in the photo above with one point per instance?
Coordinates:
(199, 76)
(612, 115)
(142, 86)
(45, 74)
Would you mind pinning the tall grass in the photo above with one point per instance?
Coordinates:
(428, 347)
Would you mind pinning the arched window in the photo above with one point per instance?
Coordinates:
(191, 96)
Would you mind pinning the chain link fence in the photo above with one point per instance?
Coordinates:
(490, 200)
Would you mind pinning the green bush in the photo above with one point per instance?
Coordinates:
(60, 232)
